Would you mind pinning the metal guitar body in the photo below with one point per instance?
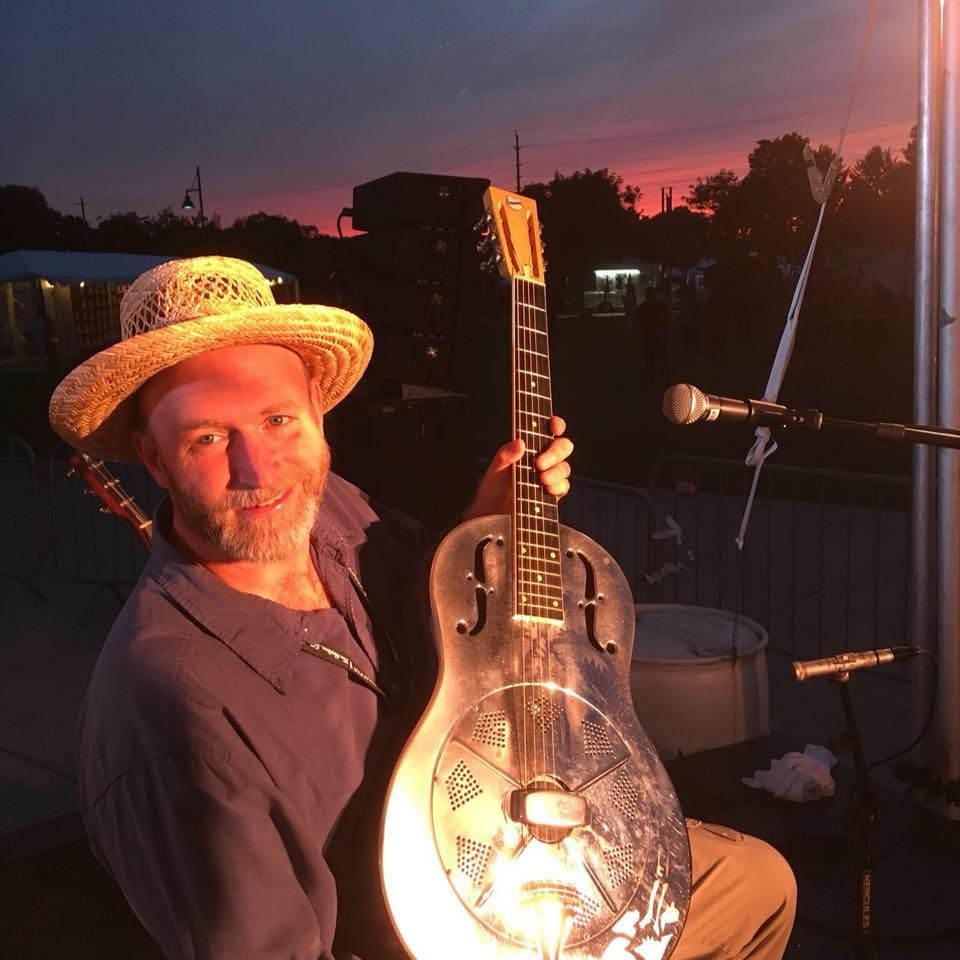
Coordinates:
(528, 794)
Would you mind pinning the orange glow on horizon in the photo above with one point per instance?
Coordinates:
(321, 206)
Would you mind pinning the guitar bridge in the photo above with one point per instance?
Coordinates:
(548, 808)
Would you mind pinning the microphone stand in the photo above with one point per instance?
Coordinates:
(899, 432)
(866, 818)
(890, 432)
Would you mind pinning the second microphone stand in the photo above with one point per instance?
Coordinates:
(866, 818)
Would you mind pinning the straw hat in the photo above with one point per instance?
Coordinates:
(185, 307)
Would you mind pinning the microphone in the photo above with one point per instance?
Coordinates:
(845, 662)
(684, 404)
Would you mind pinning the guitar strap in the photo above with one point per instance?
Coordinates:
(338, 659)
(391, 699)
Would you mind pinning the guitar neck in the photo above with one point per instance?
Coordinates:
(115, 499)
(538, 585)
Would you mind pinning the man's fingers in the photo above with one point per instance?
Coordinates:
(558, 451)
(556, 474)
(560, 489)
(558, 426)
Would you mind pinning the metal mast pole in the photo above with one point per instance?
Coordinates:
(923, 525)
(200, 195)
(948, 485)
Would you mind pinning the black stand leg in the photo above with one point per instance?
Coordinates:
(865, 818)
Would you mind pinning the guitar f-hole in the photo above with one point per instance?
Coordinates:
(591, 597)
(481, 590)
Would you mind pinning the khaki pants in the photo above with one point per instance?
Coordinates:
(743, 898)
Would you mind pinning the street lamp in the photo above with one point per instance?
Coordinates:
(196, 188)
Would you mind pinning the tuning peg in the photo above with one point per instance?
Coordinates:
(489, 244)
(492, 264)
(105, 510)
(484, 223)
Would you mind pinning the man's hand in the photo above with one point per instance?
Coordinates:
(494, 492)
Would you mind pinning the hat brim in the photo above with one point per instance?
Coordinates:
(91, 410)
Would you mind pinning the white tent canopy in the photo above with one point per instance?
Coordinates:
(68, 267)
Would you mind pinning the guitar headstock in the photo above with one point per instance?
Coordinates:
(512, 234)
(115, 500)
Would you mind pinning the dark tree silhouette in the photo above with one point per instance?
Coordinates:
(26, 219)
(878, 208)
(677, 238)
(587, 217)
(770, 211)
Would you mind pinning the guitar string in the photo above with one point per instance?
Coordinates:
(549, 498)
(518, 539)
(539, 529)
(531, 423)
(529, 527)
(538, 590)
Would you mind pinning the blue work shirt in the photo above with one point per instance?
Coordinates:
(232, 782)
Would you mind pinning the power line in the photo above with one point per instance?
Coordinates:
(828, 91)
(662, 134)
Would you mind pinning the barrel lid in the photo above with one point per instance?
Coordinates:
(670, 632)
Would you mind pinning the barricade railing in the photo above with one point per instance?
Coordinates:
(626, 522)
(825, 562)
(824, 567)
(21, 528)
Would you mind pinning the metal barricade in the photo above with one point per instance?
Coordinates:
(89, 547)
(626, 522)
(824, 566)
(21, 529)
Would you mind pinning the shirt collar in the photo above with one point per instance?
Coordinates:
(243, 621)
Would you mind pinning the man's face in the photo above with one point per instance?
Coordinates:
(236, 438)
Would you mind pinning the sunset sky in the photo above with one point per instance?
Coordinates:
(287, 105)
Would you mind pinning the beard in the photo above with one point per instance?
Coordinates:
(276, 535)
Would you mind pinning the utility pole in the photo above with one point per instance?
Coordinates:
(516, 147)
(83, 212)
(666, 199)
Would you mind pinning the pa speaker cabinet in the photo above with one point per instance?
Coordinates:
(420, 457)
(418, 199)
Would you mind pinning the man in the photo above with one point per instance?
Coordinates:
(247, 706)
(653, 328)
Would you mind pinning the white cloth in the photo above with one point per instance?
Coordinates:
(800, 777)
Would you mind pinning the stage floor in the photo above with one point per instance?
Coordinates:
(54, 898)
(916, 853)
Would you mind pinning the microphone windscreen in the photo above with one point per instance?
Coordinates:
(683, 403)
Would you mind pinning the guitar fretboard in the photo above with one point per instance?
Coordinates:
(537, 580)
